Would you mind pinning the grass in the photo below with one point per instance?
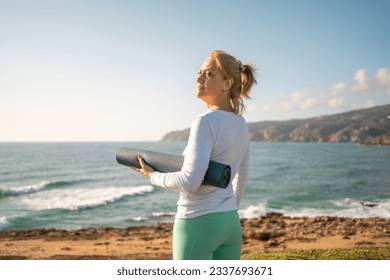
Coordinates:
(323, 254)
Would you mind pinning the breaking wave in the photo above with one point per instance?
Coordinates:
(82, 198)
(348, 208)
(27, 189)
(3, 222)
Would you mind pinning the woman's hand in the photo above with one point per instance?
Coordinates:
(145, 169)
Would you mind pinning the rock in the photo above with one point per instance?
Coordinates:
(264, 236)
(272, 243)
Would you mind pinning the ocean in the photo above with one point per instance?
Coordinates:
(79, 185)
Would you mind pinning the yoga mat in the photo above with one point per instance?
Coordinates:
(217, 175)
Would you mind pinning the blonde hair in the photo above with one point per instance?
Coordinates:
(243, 76)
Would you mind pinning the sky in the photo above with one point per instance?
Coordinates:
(126, 70)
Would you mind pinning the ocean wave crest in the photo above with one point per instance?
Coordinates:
(27, 189)
(10, 191)
(364, 209)
(81, 198)
(3, 222)
(253, 211)
(163, 214)
(138, 219)
(348, 208)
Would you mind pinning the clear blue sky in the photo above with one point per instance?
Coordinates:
(126, 70)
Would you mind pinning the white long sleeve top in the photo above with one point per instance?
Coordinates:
(219, 136)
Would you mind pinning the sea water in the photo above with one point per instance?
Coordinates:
(78, 185)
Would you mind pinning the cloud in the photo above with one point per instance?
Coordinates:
(337, 88)
(300, 95)
(339, 94)
(251, 107)
(336, 102)
(306, 99)
(369, 84)
(369, 103)
(268, 106)
(383, 78)
(310, 104)
(338, 97)
(361, 81)
(284, 106)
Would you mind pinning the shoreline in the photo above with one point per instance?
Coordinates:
(272, 233)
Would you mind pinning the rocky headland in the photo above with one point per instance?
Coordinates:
(367, 126)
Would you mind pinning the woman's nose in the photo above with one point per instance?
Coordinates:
(200, 78)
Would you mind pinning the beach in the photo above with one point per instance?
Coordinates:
(272, 232)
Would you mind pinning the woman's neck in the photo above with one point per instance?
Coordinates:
(227, 108)
(221, 103)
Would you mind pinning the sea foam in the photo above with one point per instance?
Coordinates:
(364, 209)
(24, 189)
(163, 214)
(3, 222)
(253, 211)
(81, 198)
(138, 219)
(348, 208)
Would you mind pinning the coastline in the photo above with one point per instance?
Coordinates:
(272, 233)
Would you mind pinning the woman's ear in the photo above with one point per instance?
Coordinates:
(227, 83)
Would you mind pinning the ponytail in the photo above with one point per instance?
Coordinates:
(248, 79)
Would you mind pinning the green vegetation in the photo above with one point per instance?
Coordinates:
(323, 254)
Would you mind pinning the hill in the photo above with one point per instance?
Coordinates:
(365, 126)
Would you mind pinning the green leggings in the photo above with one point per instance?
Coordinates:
(215, 236)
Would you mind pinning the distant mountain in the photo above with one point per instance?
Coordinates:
(365, 126)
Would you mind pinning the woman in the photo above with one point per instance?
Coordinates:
(207, 225)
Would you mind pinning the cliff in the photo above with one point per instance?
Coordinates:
(365, 126)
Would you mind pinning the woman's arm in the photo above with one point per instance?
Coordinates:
(242, 177)
(195, 164)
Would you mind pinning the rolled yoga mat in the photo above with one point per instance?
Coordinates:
(217, 175)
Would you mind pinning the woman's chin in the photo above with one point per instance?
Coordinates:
(200, 94)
